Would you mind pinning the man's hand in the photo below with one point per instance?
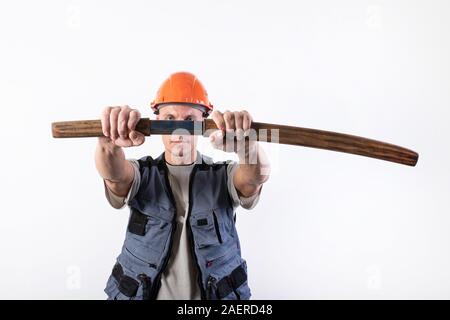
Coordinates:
(233, 124)
(118, 125)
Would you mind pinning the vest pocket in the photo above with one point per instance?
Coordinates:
(122, 286)
(147, 236)
(210, 237)
(137, 222)
(234, 286)
(206, 231)
(243, 290)
(140, 223)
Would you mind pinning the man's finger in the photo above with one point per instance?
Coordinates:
(105, 121)
(229, 121)
(122, 122)
(217, 116)
(133, 119)
(238, 120)
(121, 142)
(113, 115)
(247, 121)
(136, 138)
(216, 139)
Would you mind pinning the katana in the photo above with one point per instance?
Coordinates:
(265, 132)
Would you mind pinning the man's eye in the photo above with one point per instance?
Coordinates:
(169, 118)
(189, 118)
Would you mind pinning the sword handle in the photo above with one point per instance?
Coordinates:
(90, 128)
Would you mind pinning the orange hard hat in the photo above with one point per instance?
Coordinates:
(182, 88)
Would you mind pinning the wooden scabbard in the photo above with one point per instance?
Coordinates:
(266, 132)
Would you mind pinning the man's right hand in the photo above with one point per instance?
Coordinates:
(118, 125)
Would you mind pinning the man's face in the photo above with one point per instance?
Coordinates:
(179, 145)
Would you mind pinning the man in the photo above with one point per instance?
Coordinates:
(181, 241)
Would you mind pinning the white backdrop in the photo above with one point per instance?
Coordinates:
(328, 225)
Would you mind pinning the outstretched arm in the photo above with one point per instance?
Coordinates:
(118, 124)
(254, 166)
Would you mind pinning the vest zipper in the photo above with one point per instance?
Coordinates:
(157, 283)
(191, 236)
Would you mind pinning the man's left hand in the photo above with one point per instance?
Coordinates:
(232, 124)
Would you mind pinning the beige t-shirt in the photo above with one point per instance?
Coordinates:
(179, 280)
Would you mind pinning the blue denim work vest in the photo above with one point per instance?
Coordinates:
(222, 273)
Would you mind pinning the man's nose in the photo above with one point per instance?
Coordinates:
(177, 137)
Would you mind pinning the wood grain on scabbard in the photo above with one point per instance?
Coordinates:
(331, 141)
(266, 132)
(89, 128)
